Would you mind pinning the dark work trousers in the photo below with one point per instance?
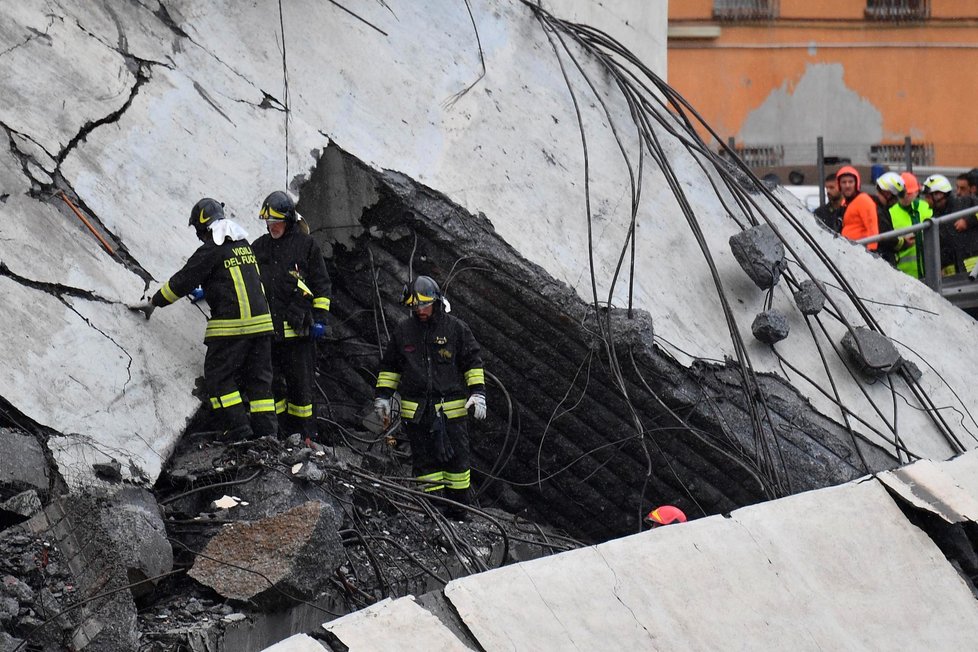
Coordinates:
(294, 363)
(452, 476)
(238, 370)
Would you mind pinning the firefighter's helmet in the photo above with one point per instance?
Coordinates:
(937, 183)
(205, 213)
(665, 515)
(892, 183)
(422, 292)
(278, 206)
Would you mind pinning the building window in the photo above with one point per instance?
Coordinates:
(745, 9)
(897, 9)
(895, 155)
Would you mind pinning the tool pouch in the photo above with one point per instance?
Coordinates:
(439, 438)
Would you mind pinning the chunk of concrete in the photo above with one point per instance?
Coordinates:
(760, 253)
(874, 354)
(770, 327)
(25, 504)
(22, 464)
(810, 297)
(275, 562)
(133, 520)
(274, 492)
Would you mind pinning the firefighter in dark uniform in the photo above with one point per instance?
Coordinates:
(435, 363)
(237, 366)
(294, 274)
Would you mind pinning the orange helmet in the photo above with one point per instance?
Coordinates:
(665, 515)
(910, 182)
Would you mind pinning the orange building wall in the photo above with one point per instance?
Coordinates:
(920, 77)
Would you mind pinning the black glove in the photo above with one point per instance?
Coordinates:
(299, 318)
(439, 439)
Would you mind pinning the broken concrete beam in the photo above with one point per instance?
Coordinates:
(770, 327)
(275, 562)
(760, 253)
(134, 522)
(810, 297)
(22, 464)
(19, 508)
(872, 352)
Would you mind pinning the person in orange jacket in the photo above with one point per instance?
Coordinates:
(860, 219)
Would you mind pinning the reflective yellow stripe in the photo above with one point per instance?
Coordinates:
(168, 293)
(452, 409)
(475, 377)
(266, 213)
(288, 331)
(306, 292)
(457, 480)
(228, 327)
(234, 398)
(388, 379)
(215, 403)
(304, 411)
(244, 306)
(280, 406)
(432, 481)
(408, 408)
(321, 303)
(263, 405)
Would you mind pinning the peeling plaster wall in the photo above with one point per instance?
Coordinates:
(819, 104)
(140, 110)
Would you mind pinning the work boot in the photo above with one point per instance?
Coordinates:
(240, 433)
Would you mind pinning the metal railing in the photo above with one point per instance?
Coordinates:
(932, 243)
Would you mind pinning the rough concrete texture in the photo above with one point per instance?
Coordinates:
(26, 503)
(874, 354)
(770, 326)
(22, 464)
(810, 297)
(133, 519)
(275, 562)
(838, 568)
(760, 253)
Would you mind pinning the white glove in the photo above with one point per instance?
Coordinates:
(479, 401)
(382, 406)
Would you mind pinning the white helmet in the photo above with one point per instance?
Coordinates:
(892, 183)
(937, 183)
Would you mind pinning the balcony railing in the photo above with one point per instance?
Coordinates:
(897, 10)
(745, 9)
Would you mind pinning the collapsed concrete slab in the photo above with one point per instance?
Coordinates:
(275, 562)
(22, 465)
(133, 519)
(408, 626)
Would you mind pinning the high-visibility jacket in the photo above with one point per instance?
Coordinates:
(296, 282)
(434, 364)
(228, 272)
(910, 258)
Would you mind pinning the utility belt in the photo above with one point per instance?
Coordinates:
(454, 409)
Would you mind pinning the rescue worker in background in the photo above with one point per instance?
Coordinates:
(890, 189)
(959, 240)
(830, 214)
(293, 272)
(237, 364)
(907, 210)
(435, 363)
(860, 219)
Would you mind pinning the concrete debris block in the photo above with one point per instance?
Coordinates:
(13, 587)
(274, 492)
(810, 297)
(109, 471)
(770, 327)
(9, 608)
(26, 503)
(760, 253)
(911, 370)
(22, 463)
(873, 353)
(133, 520)
(308, 471)
(274, 562)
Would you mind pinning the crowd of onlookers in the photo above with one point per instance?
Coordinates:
(901, 201)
